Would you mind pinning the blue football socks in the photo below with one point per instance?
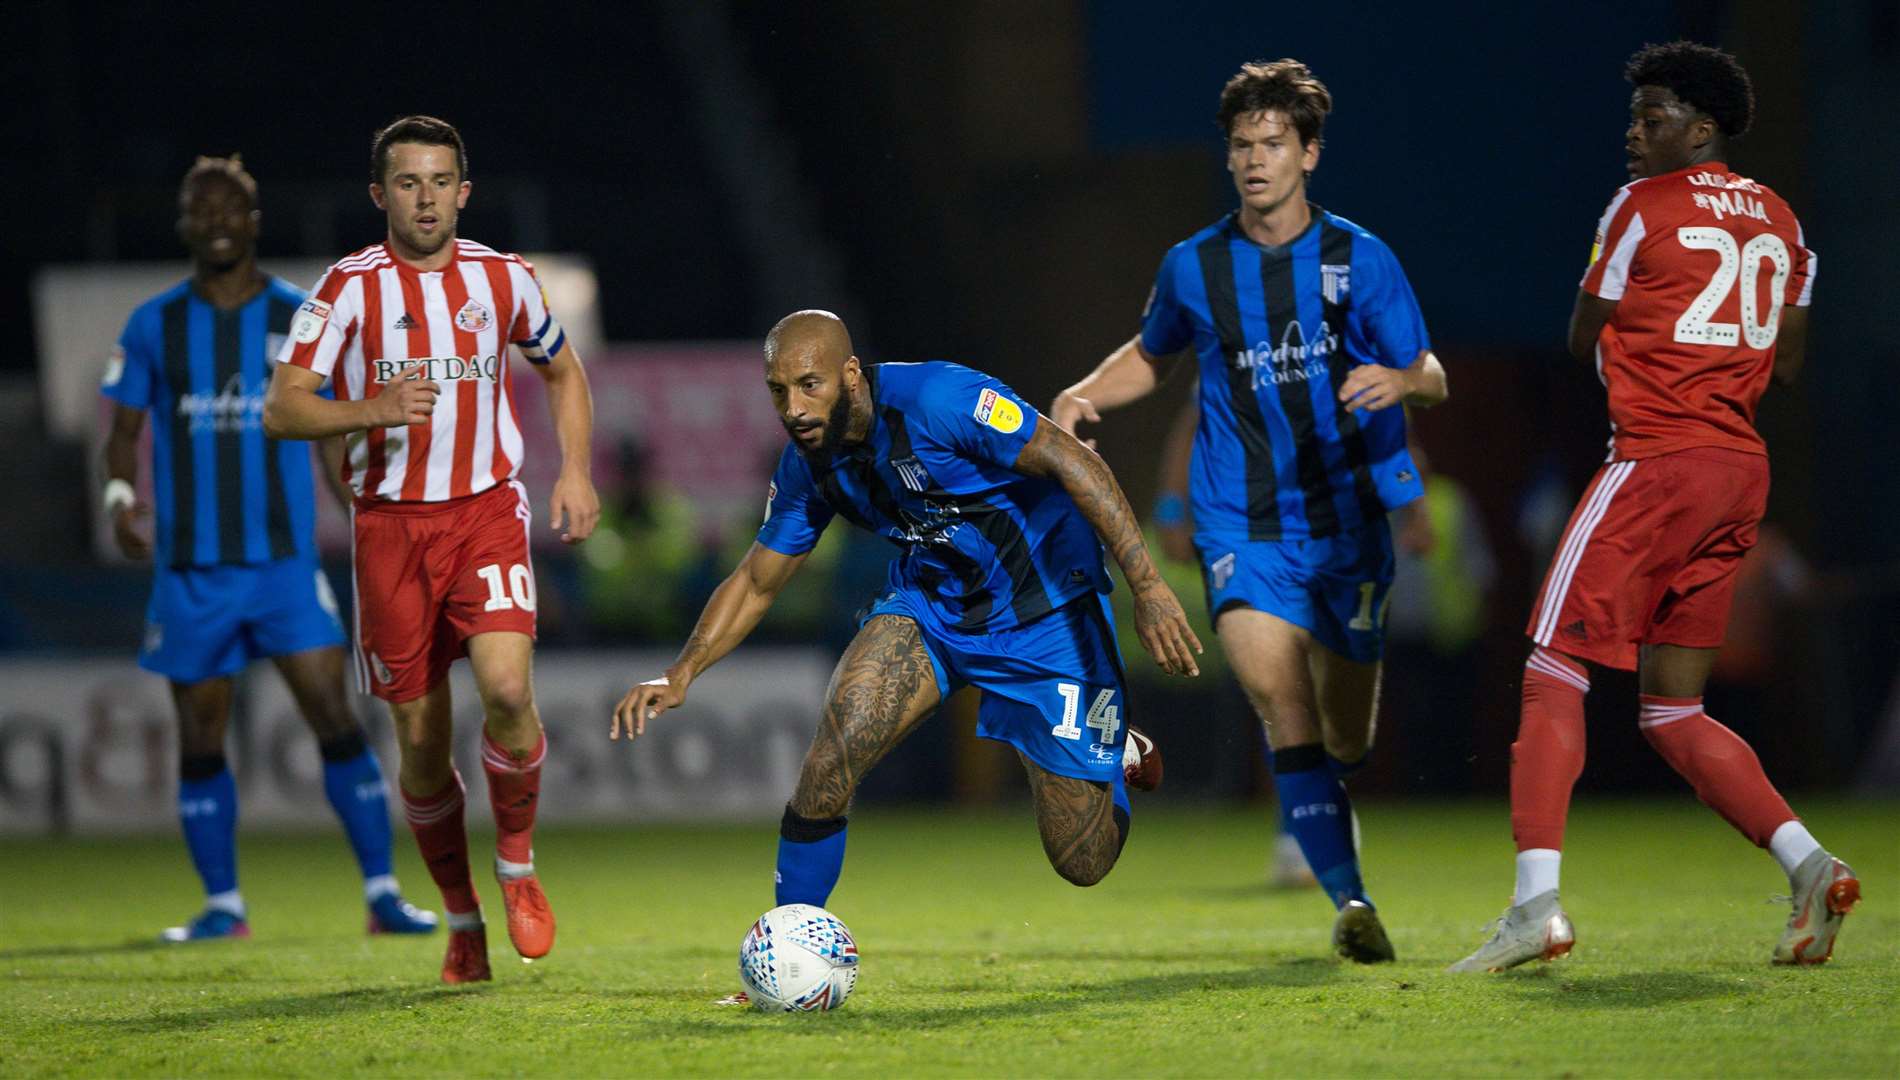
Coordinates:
(207, 810)
(353, 782)
(1315, 810)
(810, 858)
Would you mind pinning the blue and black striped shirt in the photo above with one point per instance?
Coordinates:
(1277, 329)
(223, 492)
(984, 548)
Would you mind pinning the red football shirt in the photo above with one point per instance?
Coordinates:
(1700, 262)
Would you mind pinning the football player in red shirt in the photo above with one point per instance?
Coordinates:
(1696, 296)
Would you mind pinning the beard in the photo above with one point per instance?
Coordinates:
(425, 243)
(833, 439)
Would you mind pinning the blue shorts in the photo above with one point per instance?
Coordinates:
(1335, 588)
(207, 621)
(1052, 688)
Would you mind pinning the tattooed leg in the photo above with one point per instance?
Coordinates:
(883, 686)
(1082, 829)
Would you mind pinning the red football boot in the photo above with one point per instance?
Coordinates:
(1141, 761)
(530, 919)
(467, 959)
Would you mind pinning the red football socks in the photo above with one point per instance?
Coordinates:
(1547, 757)
(437, 822)
(514, 787)
(1725, 773)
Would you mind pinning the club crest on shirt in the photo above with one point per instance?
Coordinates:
(998, 412)
(1335, 281)
(911, 472)
(474, 318)
(311, 318)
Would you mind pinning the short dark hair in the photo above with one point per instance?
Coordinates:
(229, 168)
(426, 130)
(1705, 78)
(1286, 85)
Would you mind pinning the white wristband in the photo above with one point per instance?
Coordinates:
(119, 494)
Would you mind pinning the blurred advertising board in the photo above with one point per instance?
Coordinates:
(90, 745)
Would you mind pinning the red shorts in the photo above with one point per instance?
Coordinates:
(1650, 555)
(430, 575)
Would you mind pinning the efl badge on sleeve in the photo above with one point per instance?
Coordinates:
(998, 412)
(474, 318)
(115, 367)
(310, 321)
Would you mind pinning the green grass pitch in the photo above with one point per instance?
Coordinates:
(977, 959)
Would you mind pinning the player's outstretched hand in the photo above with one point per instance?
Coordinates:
(127, 530)
(1068, 410)
(1164, 629)
(407, 399)
(575, 507)
(643, 703)
(1374, 387)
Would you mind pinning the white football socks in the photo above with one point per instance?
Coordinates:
(231, 903)
(1791, 844)
(375, 888)
(1536, 873)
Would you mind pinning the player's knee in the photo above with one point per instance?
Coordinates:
(1089, 863)
(1347, 750)
(508, 698)
(821, 800)
(422, 742)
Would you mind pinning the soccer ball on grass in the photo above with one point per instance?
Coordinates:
(798, 958)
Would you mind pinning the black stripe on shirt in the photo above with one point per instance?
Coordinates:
(227, 385)
(1335, 249)
(1028, 594)
(1263, 502)
(1296, 394)
(175, 335)
(976, 601)
(277, 456)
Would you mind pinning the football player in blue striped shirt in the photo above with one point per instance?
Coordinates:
(234, 549)
(999, 519)
(1308, 341)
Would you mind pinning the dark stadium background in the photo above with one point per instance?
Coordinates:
(995, 182)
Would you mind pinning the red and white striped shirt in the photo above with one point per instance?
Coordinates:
(373, 314)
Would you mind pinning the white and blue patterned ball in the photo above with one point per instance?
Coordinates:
(798, 958)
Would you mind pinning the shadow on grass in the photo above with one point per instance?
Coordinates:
(59, 952)
(202, 950)
(1631, 990)
(1013, 1006)
(300, 1007)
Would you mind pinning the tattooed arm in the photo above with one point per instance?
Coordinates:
(1163, 627)
(735, 609)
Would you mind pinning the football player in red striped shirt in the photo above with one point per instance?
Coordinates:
(413, 335)
(1696, 295)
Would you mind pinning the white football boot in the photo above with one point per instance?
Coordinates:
(1536, 929)
(1825, 890)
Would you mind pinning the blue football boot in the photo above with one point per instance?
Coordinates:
(210, 925)
(391, 914)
